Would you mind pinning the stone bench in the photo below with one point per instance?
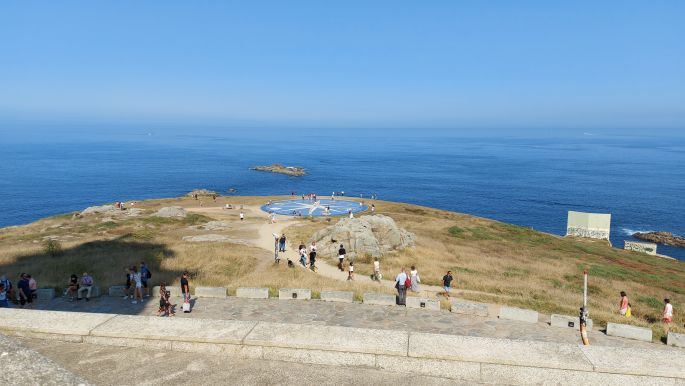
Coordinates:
(518, 314)
(674, 339)
(117, 290)
(630, 332)
(429, 304)
(464, 307)
(565, 321)
(173, 290)
(294, 293)
(45, 293)
(210, 292)
(337, 296)
(252, 293)
(380, 299)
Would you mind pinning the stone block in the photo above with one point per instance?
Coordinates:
(175, 291)
(630, 332)
(337, 296)
(379, 299)
(328, 338)
(50, 322)
(294, 294)
(118, 290)
(252, 293)
(565, 321)
(503, 351)
(656, 362)
(464, 307)
(429, 304)
(45, 294)
(674, 339)
(210, 292)
(518, 314)
(174, 329)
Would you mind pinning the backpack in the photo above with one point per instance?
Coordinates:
(407, 283)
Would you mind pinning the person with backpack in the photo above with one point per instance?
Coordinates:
(145, 275)
(401, 285)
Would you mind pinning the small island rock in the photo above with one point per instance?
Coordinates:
(665, 238)
(278, 168)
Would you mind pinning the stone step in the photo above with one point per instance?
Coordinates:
(429, 304)
(518, 314)
(379, 299)
(252, 293)
(337, 296)
(674, 339)
(464, 307)
(294, 294)
(630, 332)
(211, 292)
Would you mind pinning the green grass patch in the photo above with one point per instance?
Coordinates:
(651, 302)
(456, 231)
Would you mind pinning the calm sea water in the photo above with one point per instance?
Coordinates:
(528, 180)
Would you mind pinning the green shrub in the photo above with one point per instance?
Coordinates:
(53, 248)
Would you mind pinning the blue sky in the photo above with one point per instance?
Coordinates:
(438, 64)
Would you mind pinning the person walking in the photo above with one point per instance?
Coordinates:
(137, 285)
(86, 286)
(33, 286)
(415, 279)
(341, 258)
(401, 285)
(447, 283)
(377, 270)
(128, 291)
(350, 273)
(624, 305)
(72, 287)
(145, 275)
(276, 248)
(281, 243)
(242, 216)
(185, 289)
(667, 315)
(164, 301)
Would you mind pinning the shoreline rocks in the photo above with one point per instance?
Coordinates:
(202, 193)
(665, 238)
(278, 168)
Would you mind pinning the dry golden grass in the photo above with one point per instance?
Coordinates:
(506, 264)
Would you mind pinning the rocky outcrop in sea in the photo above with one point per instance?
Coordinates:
(665, 238)
(278, 168)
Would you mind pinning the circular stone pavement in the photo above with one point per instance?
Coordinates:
(319, 208)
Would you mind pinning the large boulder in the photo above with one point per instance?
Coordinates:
(365, 235)
(202, 193)
(171, 211)
(100, 209)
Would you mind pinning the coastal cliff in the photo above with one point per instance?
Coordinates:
(278, 168)
(666, 238)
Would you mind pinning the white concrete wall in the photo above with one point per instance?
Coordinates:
(590, 225)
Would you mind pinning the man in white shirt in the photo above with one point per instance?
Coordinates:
(86, 286)
(401, 289)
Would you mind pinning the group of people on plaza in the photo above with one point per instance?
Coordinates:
(23, 294)
(137, 283)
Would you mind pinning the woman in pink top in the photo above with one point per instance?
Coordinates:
(623, 306)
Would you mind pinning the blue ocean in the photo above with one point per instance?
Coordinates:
(530, 178)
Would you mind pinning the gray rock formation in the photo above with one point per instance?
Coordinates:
(372, 235)
(213, 238)
(100, 209)
(171, 211)
(202, 193)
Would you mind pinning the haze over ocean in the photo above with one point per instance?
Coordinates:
(529, 179)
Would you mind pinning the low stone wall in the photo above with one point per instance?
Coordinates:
(294, 294)
(674, 339)
(337, 296)
(565, 321)
(429, 304)
(464, 307)
(630, 332)
(518, 314)
(379, 299)
(464, 358)
(252, 293)
(211, 292)
(45, 293)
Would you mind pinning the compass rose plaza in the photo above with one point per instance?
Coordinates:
(323, 207)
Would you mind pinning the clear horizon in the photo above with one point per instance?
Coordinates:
(444, 65)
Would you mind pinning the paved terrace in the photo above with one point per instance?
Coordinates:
(318, 312)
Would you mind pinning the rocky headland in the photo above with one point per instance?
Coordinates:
(665, 238)
(278, 168)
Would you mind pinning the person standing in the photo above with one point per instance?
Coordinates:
(373, 208)
(447, 283)
(145, 275)
(86, 286)
(242, 216)
(312, 256)
(376, 269)
(667, 315)
(24, 291)
(400, 284)
(72, 287)
(341, 258)
(138, 285)
(415, 279)
(128, 291)
(281, 243)
(303, 255)
(624, 305)
(350, 273)
(33, 287)
(185, 289)
(8, 286)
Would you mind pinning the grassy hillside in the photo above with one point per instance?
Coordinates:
(503, 263)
